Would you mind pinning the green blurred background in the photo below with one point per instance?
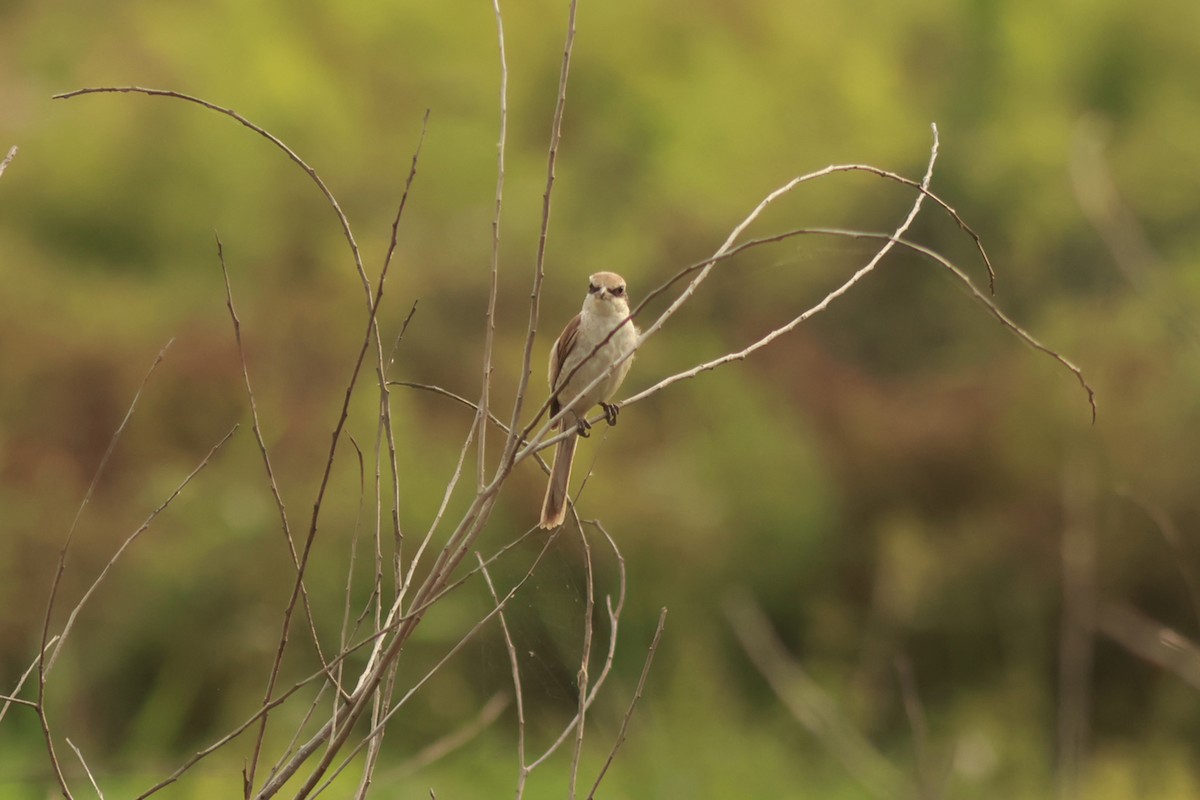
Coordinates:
(891, 483)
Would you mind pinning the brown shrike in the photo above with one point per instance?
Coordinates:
(574, 364)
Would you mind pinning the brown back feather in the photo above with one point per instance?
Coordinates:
(558, 357)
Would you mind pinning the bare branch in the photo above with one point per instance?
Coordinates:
(470, 634)
(923, 189)
(637, 695)
(727, 249)
(991, 307)
(291, 154)
(43, 666)
(280, 507)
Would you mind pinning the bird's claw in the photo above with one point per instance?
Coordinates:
(583, 428)
(610, 412)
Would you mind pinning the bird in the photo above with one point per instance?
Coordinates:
(575, 362)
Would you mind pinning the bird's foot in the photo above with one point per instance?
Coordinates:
(610, 412)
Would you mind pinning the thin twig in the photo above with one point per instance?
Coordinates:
(42, 718)
(437, 517)
(584, 658)
(279, 700)
(318, 504)
(373, 303)
(429, 387)
(347, 601)
(727, 249)
(470, 634)
(248, 772)
(44, 666)
(440, 748)
(263, 451)
(923, 192)
(991, 307)
(12, 153)
(130, 540)
(313, 705)
(382, 367)
(489, 335)
(614, 618)
(637, 695)
(539, 272)
(86, 770)
(515, 667)
(256, 425)
(386, 433)
(12, 696)
(291, 154)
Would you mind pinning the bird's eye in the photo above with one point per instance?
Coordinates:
(593, 288)
(618, 291)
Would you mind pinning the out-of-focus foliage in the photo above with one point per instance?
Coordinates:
(891, 481)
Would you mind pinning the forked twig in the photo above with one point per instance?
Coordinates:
(453, 552)
(470, 634)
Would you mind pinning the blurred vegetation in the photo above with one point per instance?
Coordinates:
(891, 481)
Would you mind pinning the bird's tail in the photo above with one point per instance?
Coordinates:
(554, 508)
